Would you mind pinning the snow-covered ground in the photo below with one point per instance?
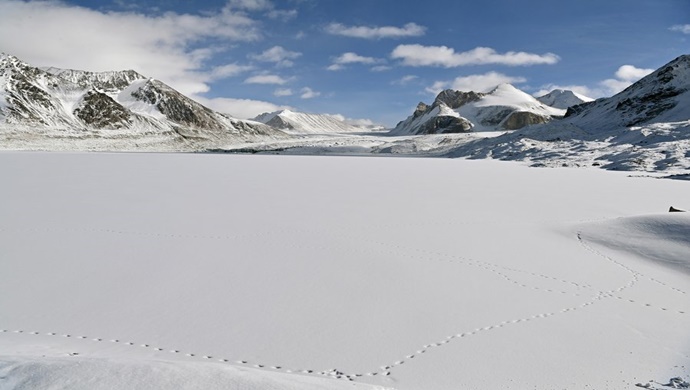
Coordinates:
(266, 272)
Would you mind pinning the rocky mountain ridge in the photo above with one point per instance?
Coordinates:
(503, 108)
(60, 102)
(661, 96)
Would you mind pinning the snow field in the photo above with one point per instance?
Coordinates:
(403, 273)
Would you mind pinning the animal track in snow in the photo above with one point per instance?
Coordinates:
(424, 255)
(334, 373)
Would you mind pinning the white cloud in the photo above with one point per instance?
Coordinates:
(683, 28)
(477, 82)
(283, 15)
(418, 55)
(408, 30)
(229, 70)
(308, 93)
(250, 5)
(631, 73)
(405, 80)
(240, 108)
(352, 58)
(282, 92)
(380, 68)
(266, 79)
(278, 55)
(581, 89)
(169, 46)
(265, 6)
(625, 76)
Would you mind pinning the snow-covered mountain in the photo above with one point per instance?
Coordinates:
(662, 96)
(79, 104)
(645, 127)
(563, 98)
(303, 123)
(504, 108)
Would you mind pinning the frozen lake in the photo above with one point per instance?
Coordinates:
(330, 272)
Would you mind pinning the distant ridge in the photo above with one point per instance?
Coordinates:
(303, 123)
(563, 98)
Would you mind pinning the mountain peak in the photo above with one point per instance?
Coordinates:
(563, 98)
(504, 87)
(62, 99)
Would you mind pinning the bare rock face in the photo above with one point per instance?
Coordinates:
(445, 125)
(56, 101)
(101, 111)
(519, 119)
(177, 107)
(421, 109)
(455, 99)
(503, 108)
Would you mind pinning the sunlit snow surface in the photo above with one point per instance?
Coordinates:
(254, 272)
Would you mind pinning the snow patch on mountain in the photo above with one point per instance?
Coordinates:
(504, 108)
(303, 123)
(62, 104)
(562, 98)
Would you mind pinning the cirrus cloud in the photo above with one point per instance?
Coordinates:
(277, 54)
(266, 79)
(352, 58)
(683, 28)
(365, 32)
(443, 56)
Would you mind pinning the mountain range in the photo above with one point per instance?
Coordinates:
(72, 103)
(644, 127)
(503, 108)
(303, 123)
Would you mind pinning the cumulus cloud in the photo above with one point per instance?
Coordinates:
(477, 82)
(352, 121)
(625, 76)
(278, 55)
(308, 93)
(683, 28)
(352, 58)
(169, 46)
(266, 79)
(631, 73)
(408, 30)
(240, 108)
(418, 55)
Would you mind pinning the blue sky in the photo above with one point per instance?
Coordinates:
(363, 59)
